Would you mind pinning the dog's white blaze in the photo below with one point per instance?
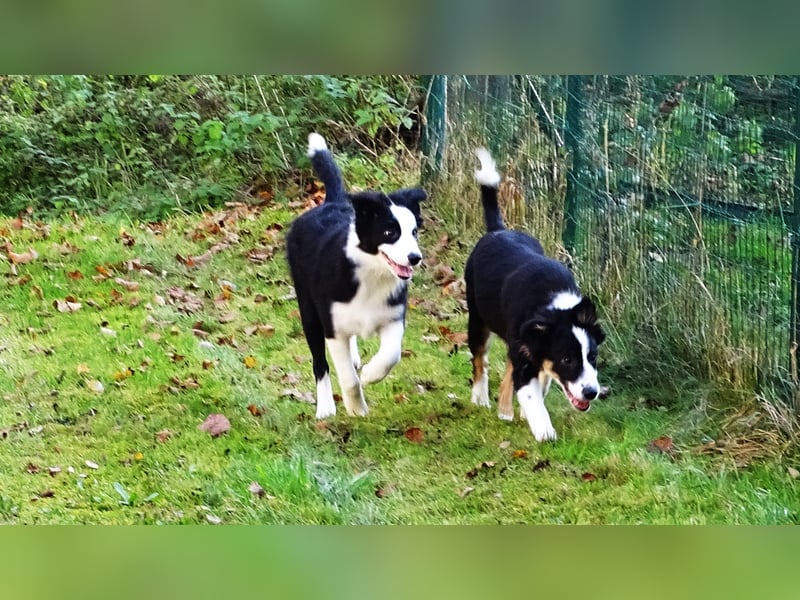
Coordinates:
(316, 143)
(588, 376)
(487, 174)
(531, 403)
(406, 244)
(388, 354)
(368, 311)
(325, 404)
(564, 301)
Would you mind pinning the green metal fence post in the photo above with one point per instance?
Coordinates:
(572, 139)
(434, 130)
(794, 235)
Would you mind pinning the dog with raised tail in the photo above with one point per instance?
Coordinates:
(532, 302)
(350, 260)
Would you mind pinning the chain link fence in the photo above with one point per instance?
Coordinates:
(672, 197)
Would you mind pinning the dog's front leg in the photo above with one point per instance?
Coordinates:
(531, 402)
(388, 354)
(352, 393)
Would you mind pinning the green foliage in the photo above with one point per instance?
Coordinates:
(148, 145)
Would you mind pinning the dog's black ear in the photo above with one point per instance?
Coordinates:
(368, 203)
(410, 199)
(585, 316)
(408, 196)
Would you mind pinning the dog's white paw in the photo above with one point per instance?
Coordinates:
(543, 432)
(480, 394)
(326, 407)
(505, 416)
(354, 402)
(373, 372)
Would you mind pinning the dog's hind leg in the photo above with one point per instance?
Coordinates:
(505, 406)
(479, 337)
(388, 354)
(315, 337)
(531, 403)
(352, 393)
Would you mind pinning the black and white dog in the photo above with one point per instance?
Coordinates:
(532, 303)
(350, 259)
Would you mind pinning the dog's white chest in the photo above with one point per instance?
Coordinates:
(366, 313)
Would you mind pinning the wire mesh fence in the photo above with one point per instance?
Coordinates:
(673, 198)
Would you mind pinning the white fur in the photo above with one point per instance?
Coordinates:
(325, 405)
(354, 352)
(407, 242)
(487, 174)
(564, 301)
(352, 393)
(532, 408)
(588, 377)
(480, 389)
(388, 354)
(316, 143)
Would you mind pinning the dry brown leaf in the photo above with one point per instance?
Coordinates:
(250, 362)
(131, 286)
(22, 257)
(414, 434)
(215, 424)
(163, 435)
(66, 305)
(662, 445)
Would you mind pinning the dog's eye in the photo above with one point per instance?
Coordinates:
(592, 357)
(567, 361)
(388, 233)
(414, 233)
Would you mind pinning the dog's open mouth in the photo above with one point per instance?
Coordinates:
(577, 403)
(402, 271)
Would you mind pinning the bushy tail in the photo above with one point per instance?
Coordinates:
(488, 178)
(325, 168)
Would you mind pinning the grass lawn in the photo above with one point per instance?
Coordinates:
(119, 339)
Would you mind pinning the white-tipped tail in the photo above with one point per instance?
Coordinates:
(487, 174)
(316, 143)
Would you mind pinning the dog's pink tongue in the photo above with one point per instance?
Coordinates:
(402, 272)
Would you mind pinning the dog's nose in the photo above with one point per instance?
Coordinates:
(414, 258)
(589, 392)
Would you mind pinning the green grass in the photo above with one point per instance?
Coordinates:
(134, 453)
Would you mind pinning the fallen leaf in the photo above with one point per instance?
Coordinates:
(163, 435)
(213, 519)
(589, 477)
(82, 368)
(32, 468)
(661, 445)
(443, 274)
(95, 386)
(487, 464)
(255, 410)
(53, 471)
(505, 444)
(46, 494)
(23, 257)
(67, 305)
(138, 456)
(520, 454)
(541, 465)
(131, 286)
(208, 364)
(384, 491)
(215, 424)
(466, 492)
(91, 464)
(414, 434)
(74, 275)
(256, 489)
(122, 375)
(793, 473)
(250, 362)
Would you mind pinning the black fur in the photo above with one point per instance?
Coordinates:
(316, 251)
(511, 284)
